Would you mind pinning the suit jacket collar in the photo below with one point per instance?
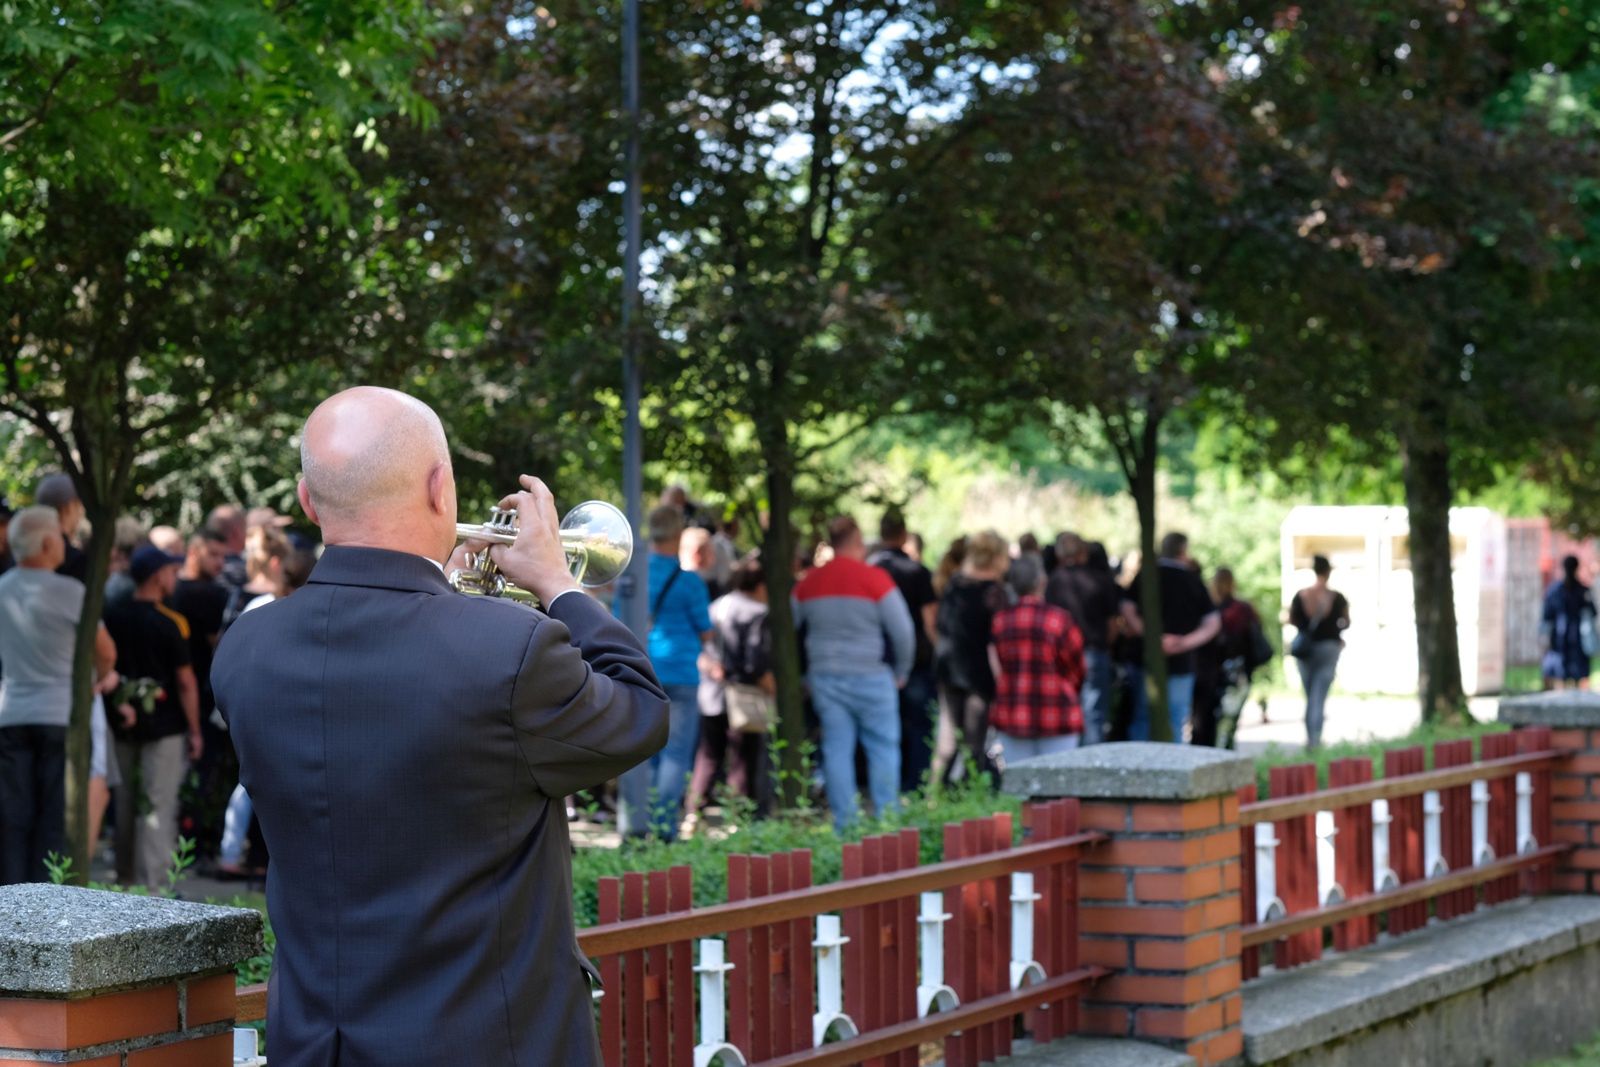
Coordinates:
(378, 568)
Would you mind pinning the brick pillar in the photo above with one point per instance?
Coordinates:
(1573, 717)
(1159, 902)
(111, 980)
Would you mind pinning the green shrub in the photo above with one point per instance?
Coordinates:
(1585, 1055)
(926, 811)
(1370, 750)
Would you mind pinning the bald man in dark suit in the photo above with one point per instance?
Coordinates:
(408, 749)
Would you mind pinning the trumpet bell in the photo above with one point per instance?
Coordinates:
(595, 535)
(599, 542)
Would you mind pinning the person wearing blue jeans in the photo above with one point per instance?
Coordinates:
(849, 612)
(1096, 695)
(1180, 701)
(680, 624)
(853, 707)
(1189, 619)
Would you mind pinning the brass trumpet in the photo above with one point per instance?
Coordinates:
(596, 536)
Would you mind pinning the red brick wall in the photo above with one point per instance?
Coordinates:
(186, 1023)
(1575, 810)
(1160, 906)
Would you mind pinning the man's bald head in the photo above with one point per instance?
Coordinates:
(376, 470)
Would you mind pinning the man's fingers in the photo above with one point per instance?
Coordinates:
(537, 503)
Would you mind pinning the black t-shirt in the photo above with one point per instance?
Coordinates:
(1330, 627)
(966, 618)
(1091, 597)
(1184, 605)
(76, 565)
(202, 603)
(915, 583)
(152, 642)
(235, 575)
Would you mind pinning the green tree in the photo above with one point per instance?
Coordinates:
(1064, 264)
(1421, 201)
(178, 203)
(781, 138)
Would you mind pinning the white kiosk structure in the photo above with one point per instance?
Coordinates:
(1369, 548)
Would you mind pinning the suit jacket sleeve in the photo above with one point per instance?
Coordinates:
(585, 704)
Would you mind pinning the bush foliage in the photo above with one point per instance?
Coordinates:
(926, 811)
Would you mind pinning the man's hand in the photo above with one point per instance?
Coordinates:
(128, 715)
(108, 683)
(458, 558)
(536, 562)
(1174, 644)
(196, 746)
(711, 667)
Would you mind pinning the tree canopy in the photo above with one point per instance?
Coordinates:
(1358, 236)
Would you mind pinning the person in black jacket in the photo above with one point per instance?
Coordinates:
(1084, 586)
(409, 749)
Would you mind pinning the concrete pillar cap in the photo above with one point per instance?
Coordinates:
(1131, 770)
(66, 941)
(1563, 708)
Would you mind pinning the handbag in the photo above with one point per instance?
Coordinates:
(1300, 647)
(751, 709)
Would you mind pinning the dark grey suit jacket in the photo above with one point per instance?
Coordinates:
(408, 749)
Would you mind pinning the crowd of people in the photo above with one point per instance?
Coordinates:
(916, 674)
(153, 725)
(912, 674)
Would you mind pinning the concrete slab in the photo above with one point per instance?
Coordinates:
(1131, 770)
(1563, 709)
(1321, 1003)
(1096, 1052)
(64, 940)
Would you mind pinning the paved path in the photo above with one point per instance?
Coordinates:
(1349, 718)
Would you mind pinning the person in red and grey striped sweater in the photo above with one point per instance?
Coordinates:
(859, 646)
(1037, 657)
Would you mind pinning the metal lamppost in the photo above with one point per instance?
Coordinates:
(634, 584)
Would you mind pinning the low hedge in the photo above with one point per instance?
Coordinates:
(1372, 750)
(927, 811)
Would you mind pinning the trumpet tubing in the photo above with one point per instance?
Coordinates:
(596, 537)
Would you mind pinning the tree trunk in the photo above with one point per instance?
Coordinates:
(1146, 462)
(79, 744)
(1428, 497)
(777, 561)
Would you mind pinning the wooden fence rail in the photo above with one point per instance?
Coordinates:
(894, 956)
(1365, 852)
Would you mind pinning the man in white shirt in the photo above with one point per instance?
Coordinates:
(39, 612)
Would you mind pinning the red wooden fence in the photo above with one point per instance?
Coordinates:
(648, 1013)
(1516, 867)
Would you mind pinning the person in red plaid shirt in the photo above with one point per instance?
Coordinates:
(1037, 656)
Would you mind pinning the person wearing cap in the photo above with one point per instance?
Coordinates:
(256, 518)
(39, 612)
(58, 491)
(154, 660)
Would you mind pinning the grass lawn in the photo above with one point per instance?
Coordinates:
(1585, 1055)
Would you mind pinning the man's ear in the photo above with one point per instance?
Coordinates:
(438, 489)
(304, 495)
